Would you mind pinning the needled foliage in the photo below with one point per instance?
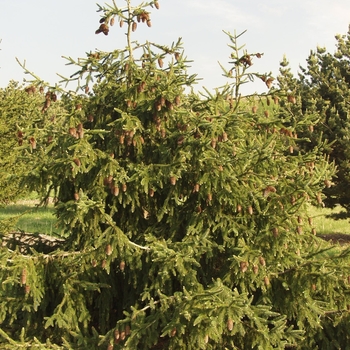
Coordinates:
(323, 87)
(17, 112)
(184, 215)
(22, 113)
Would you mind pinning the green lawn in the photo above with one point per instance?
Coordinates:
(328, 221)
(28, 217)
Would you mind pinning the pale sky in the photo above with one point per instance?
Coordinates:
(42, 31)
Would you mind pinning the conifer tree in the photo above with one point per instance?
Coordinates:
(184, 216)
(20, 110)
(13, 102)
(323, 87)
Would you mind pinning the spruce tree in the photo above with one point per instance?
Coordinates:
(15, 117)
(184, 215)
(21, 112)
(324, 88)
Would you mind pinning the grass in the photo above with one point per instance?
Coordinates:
(330, 221)
(27, 217)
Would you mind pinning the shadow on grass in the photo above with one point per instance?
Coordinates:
(343, 215)
(340, 238)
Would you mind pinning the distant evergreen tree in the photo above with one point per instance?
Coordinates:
(323, 87)
(20, 111)
(13, 102)
(185, 217)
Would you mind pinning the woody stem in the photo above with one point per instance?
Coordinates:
(129, 30)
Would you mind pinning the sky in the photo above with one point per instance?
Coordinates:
(40, 32)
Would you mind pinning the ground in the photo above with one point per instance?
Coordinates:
(340, 238)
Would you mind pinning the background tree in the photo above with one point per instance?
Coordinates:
(323, 87)
(13, 104)
(185, 217)
(21, 109)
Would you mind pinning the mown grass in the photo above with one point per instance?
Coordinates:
(28, 217)
(330, 221)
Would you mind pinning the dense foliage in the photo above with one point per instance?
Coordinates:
(17, 111)
(323, 87)
(184, 216)
(21, 111)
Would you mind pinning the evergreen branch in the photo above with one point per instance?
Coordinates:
(45, 256)
(112, 224)
(334, 312)
(7, 337)
(139, 246)
(66, 254)
(148, 306)
(313, 262)
(26, 71)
